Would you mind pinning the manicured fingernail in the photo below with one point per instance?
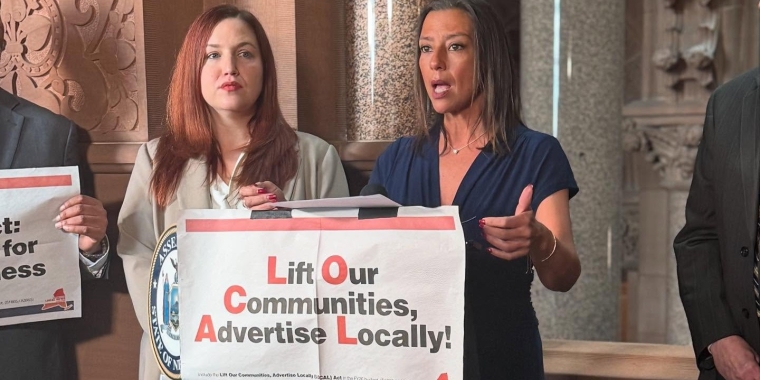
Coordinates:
(261, 191)
(481, 223)
(272, 197)
(63, 207)
(57, 218)
(490, 250)
(58, 225)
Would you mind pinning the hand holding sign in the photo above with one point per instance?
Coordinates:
(39, 265)
(513, 237)
(85, 216)
(261, 195)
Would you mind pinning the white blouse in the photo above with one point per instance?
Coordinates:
(221, 196)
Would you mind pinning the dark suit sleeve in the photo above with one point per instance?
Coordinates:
(71, 157)
(697, 249)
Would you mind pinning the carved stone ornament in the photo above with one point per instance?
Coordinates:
(74, 57)
(702, 56)
(672, 149)
(666, 58)
(630, 234)
(633, 139)
(688, 63)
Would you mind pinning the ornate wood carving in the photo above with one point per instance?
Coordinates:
(77, 58)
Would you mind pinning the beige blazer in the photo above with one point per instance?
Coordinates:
(141, 222)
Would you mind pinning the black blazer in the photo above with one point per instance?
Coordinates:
(32, 136)
(715, 249)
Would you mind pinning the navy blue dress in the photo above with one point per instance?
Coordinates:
(501, 330)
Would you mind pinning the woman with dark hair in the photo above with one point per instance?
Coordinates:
(512, 184)
(226, 145)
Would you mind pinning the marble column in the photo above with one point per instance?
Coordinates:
(586, 119)
(380, 67)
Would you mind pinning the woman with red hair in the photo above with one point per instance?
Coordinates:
(226, 145)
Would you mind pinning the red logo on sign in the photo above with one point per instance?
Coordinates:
(58, 300)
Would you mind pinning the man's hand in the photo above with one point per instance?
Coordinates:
(735, 359)
(85, 216)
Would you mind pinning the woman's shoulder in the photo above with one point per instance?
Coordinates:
(309, 144)
(147, 152)
(533, 137)
(403, 146)
(395, 160)
(529, 142)
(310, 140)
(146, 156)
(151, 147)
(406, 141)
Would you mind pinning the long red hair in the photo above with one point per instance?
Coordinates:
(271, 152)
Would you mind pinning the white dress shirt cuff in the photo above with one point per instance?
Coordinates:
(96, 268)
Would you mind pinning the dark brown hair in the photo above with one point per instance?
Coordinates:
(271, 152)
(495, 76)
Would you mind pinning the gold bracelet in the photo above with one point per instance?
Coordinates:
(553, 249)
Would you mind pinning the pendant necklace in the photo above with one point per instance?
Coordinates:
(456, 151)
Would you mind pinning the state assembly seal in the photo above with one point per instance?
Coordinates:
(163, 304)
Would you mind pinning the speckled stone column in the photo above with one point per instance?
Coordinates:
(591, 79)
(381, 45)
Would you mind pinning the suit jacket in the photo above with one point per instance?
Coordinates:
(715, 249)
(141, 222)
(32, 136)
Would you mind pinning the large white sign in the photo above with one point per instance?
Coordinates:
(39, 264)
(321, 297)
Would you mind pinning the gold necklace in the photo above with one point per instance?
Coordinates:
(456, 151)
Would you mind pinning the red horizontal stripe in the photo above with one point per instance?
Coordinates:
(437, 223)
(29, 182)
